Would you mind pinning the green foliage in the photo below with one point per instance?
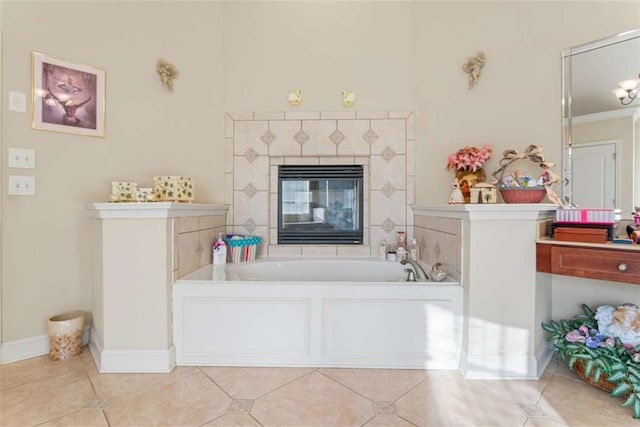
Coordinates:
(614, 362)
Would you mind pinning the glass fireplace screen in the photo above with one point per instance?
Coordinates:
(320, 204)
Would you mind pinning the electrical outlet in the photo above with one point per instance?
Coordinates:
(22, 185)
(22, 158)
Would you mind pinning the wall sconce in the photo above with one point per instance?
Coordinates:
(628, 91)
(348, 98)
(295, 97)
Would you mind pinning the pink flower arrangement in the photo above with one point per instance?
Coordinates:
(469, 158)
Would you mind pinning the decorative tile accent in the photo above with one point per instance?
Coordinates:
(240, 405)
(384, 408)
(301, 137)
(370, 136)
(97, 404)
(533, 410)
(268, 137)
(388, 154)
(336, 137)
(388, 225)
(250, 225)
(199, 249)
(250, 190)
(388, 189)
(437, 251)
(251, 155)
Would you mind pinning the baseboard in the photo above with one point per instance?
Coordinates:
(123, 361)
(544, 356)
(504, 367)
(26, 348)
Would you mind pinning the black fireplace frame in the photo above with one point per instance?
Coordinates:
(322, 172)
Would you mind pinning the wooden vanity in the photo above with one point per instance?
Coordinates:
(607, 261)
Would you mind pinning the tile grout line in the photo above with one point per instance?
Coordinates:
(412, 388)
(287, 383)
(373, 402)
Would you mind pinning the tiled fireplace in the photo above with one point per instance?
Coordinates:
(382, 142)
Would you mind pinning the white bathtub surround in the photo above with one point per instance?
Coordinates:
(383, 142)
(140, 249)
(505, 300)
(287, 321)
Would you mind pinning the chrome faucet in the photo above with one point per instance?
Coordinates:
(421, 275)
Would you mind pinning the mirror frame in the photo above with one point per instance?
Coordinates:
(566, 111)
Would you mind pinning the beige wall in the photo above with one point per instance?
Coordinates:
(246, 57)
(517, 100)
(46, 263)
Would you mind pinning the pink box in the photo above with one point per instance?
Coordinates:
(585, 216)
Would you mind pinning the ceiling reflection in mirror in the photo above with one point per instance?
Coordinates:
(601, 136)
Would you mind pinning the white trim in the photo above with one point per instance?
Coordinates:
(139, 361)
(132, 210)
(501, 367)
(484, 211)
(606, 115)
(25, 348)
(543, 358)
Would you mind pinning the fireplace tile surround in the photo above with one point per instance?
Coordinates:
(383, 142)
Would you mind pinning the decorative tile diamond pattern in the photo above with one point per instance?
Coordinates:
(533, 410)
(268, 137)
(199, 249)
(240, 405)
(301, 137)
(388, 190)
(388, 225)
(388, 154)
(251, 155)
(336, 137)
(370, 136)
(101, 403)
(250, 225)
(250, 190)
(437, 251)
(384, 408)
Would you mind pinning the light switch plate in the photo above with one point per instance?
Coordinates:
(22, 185)
(17, 102)
(22, 158)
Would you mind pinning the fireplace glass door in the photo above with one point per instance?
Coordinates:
(320, 204)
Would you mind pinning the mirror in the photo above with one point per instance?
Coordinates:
(600, 135)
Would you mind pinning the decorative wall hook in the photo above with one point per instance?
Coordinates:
(348, 98)
(473, 67)
(167, 72)
(295, 97)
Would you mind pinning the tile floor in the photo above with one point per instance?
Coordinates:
(37, 392)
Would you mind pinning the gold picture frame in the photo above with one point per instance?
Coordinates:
(67, 97)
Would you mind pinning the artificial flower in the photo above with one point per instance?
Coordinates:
(469, 158)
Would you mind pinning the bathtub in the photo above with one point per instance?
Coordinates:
(323, 312)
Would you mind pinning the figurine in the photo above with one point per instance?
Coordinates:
(548, 179)
(456, 196)
(473, 67)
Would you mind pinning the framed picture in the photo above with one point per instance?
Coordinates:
(67, 97)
